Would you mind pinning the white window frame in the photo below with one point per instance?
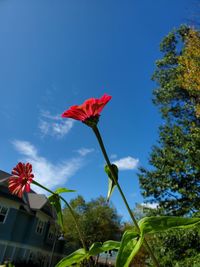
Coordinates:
(4, 206)
(31, 256)
(40, 225)
(51, 235)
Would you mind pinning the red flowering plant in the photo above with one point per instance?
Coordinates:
(21, 179)
(132, 240)
(19, 183)
(89, 111)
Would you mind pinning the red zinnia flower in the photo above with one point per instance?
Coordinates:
(21, 179)
(89, 111)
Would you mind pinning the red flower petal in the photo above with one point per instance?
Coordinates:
(21, 179)
(90, 108)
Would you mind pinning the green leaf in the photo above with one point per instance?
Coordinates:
(63, 190)
(130, 245)
(56, 203)
(95, 249)
(110, 245)
(111, 183)
(158, 224)
(76, 257)
(132, 241)
(98, 247)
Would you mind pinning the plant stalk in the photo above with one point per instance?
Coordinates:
(99, 138)
(70, 209)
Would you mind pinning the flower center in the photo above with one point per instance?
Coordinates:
(92, 121)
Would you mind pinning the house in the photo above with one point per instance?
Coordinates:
(28, 228)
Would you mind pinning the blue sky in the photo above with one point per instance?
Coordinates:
(57, 53)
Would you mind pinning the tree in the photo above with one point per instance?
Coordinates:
(189, 62)
(173, 180)
(178, 247)
(98, 220)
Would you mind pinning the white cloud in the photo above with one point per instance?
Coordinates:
(25, 148)
(47, 173)
(150, 205)
(54, 125)
(84, 151)
(127, 163)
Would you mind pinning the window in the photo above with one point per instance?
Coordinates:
(31, 257)
(40, 227)
(51, 234)
(3, 213)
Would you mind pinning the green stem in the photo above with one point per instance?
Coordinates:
(76, 223)
(98, 135)
(71, 211)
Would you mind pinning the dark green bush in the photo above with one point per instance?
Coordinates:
(178, 248)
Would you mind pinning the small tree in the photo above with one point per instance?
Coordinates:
(99, 221)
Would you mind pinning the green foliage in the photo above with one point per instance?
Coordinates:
(56, 203)
(63, 190)
(130, 245)
(178, 248)
(173, 181)
(133, 241)
(111, 183)
(98, 220)
(74, 258)
(189, 77)
(81, 255)
(162, 223)
(142, 210)
(98, 247)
